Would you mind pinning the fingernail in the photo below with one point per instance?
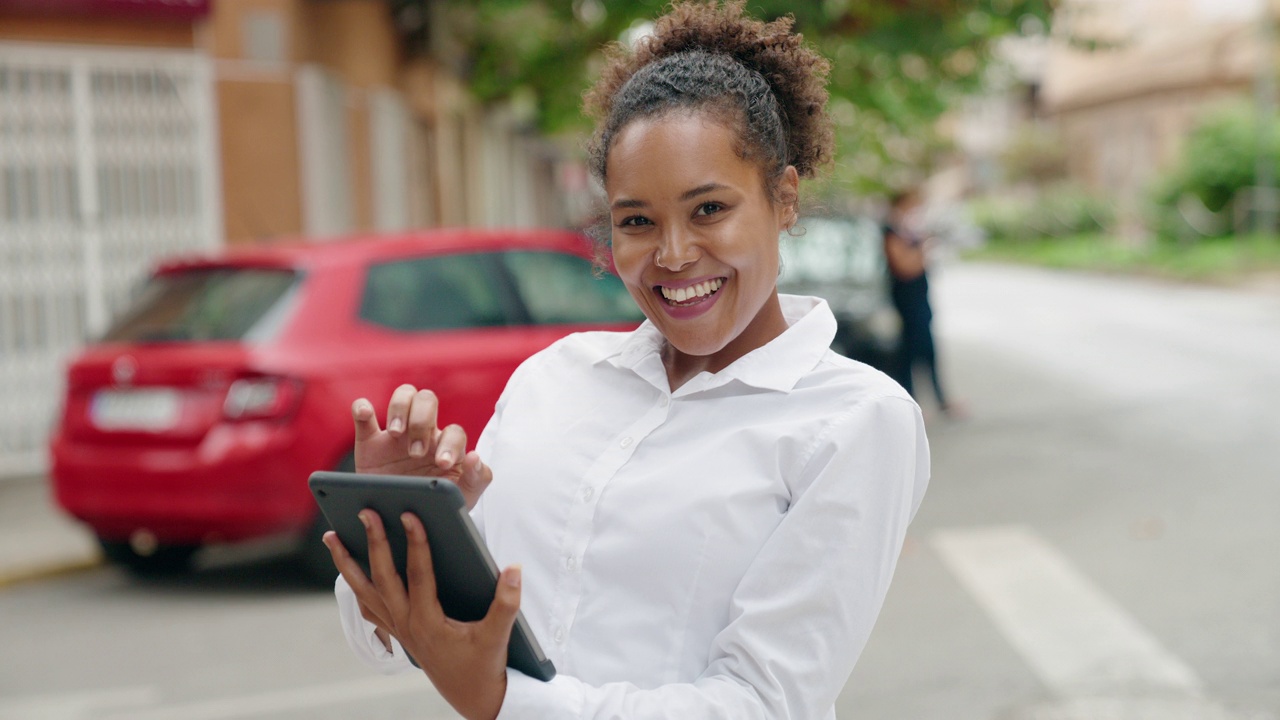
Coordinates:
(416, 449)
(404, 520)
(364, 519)
(396, 425)
(512, 576)
(446, 457)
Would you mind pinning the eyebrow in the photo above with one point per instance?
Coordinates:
(686, 195)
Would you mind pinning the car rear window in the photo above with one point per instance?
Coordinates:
(247, 304)
(834, 250)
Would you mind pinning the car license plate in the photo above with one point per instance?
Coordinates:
(136, 409)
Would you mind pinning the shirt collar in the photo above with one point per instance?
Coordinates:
(778, 365)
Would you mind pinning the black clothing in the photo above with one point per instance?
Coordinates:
(915, 345)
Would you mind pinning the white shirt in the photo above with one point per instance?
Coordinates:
(721, 551)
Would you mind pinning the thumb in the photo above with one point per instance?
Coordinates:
(506, 604)
(366, 421)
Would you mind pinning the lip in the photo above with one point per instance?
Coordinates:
(688, 311)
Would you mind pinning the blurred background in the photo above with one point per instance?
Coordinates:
(1099, 183)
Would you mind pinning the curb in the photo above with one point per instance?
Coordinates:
(20, 576)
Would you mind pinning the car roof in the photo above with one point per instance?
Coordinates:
(373, 247)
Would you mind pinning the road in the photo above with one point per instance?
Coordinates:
(1099, 541)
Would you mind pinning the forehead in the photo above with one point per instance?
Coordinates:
(677, 150)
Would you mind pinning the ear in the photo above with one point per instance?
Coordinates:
(788, 198)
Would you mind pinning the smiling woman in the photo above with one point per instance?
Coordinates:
(699, 518)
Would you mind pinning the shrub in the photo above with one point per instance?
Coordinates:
(1217, 164)
(1055, 211)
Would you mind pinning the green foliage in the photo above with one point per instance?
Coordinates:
(897, 64)
(1055, 211)
(1219, 260)
(1219, 161)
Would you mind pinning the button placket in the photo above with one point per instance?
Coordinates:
(577, 538)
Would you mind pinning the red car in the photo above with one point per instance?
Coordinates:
(199, 416)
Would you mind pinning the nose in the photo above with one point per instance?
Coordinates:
(676, 252)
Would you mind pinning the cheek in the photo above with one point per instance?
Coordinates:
(628, 260)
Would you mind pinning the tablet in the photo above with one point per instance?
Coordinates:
(466, 576)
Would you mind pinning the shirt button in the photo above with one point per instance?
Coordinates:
(626, 442)
(588, 493)
(665, 401)
(559, 635)
(570, 563)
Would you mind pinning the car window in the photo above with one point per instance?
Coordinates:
(208, 304)
(558, 289)
(834, 250)
(433, 293)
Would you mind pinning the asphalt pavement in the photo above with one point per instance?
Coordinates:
(37, 539)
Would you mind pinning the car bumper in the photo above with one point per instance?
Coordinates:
(243, 481)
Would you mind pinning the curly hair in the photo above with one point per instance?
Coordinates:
(759, 77)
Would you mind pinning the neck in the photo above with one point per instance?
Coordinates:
(683, 367)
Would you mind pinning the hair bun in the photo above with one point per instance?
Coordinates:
(795, 73)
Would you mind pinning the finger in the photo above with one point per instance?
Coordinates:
(501, 617)
(398, 408)
(365, 419)
(420, 570)
(382, 567)
(451, 446)
(422, 429)
(474, 479)
(366, 594)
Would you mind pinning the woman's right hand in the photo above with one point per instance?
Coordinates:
(414, 444)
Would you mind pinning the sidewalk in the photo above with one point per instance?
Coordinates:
(36, 538)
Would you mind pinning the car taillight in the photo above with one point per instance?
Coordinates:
(262, 398)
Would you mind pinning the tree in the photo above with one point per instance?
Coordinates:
(897, 64)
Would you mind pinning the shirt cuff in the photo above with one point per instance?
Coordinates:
(532, 699)
(362, 638)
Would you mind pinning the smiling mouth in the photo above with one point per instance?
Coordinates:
(684, 297)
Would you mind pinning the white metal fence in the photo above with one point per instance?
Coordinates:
(107, 161)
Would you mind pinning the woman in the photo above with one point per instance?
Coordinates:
(909, 288)
(700, 518)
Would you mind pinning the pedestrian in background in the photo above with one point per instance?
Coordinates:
(699, 518)
(906, 252)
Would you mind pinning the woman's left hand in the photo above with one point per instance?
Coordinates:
(465, 661)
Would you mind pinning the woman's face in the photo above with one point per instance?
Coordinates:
(695, 235)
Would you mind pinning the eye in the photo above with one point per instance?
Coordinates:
(708, 208)
(634, 221)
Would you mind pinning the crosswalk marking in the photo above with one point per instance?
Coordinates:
(1069, 632)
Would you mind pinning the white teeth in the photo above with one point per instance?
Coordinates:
(702, 289)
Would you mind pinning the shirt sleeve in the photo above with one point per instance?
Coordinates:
(360, 635)
(805, 607)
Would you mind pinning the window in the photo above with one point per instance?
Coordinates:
(834, 251)
(563, 289)
(208, 304)
(433, 293)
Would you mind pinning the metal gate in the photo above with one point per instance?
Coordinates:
(107, 161)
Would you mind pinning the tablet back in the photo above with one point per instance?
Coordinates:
(466, 575)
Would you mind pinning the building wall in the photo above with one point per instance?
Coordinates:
(1121, 146)
(1125, 112)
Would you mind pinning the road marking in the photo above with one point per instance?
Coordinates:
(75, 706)
(1072, 636)
(271, 703)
